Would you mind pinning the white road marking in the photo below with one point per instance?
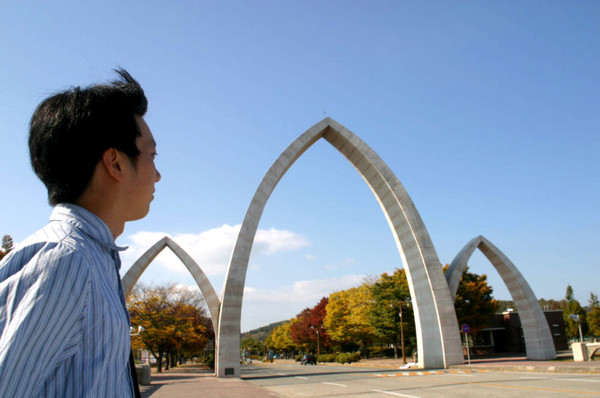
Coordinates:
(395, 393)
(334, 384)
(533, 378)
(589, 380)
(303, 378)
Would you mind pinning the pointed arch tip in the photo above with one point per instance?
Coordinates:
(139, 266)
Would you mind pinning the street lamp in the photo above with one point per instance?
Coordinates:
(402, 334)
(318, 345)
(401, 330)
(575, 317)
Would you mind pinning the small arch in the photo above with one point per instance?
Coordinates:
(594, 352)
(138, 268)
(438, 339)
(538, 338)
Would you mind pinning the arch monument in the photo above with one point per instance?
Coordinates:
(538, 338)
(138, 268)
(438, 340)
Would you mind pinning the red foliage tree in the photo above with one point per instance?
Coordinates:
(308, 330)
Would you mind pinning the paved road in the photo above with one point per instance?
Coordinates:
(293, 380)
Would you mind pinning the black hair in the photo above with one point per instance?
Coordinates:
(70, 131)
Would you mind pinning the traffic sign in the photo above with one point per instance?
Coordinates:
(465, 328)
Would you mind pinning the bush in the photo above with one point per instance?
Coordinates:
(346, 357)
(342, 358)
(326, 358)
(298, 358)
(210, 361)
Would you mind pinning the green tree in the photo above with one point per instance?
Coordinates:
(252, 346)
(391, 297)
(7, 245)
(573, 308)
(593, 316)
(174, 321)
(474, 303)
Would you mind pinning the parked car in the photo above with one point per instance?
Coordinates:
(308, 359)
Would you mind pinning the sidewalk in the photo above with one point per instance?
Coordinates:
(564, 363)
(192, 380)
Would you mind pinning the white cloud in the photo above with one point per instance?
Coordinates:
(211, 249)
(303, 291)
(276, 240)
(264, 306)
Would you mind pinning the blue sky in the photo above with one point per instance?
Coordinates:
(488, 113)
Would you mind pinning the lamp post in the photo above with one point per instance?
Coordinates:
(575, 317)
(401, 331)
(402, 334)
(316, 329)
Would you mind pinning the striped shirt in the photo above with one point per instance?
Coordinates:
(64, 326)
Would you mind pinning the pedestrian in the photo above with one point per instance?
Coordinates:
(64, 325)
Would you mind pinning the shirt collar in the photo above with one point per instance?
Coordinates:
(87, 222)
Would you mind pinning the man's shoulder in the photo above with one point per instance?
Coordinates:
(49, 248)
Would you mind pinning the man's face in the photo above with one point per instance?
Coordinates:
(142, 177)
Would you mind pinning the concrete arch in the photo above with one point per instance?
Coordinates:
(138, 268)
(438, 337)
(538, 338)
(594, 352)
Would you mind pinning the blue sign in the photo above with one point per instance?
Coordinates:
(465, 328)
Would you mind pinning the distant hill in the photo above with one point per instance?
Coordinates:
(263, 332)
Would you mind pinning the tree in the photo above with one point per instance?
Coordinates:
(391, 297)
(174, 321)
(348, 316)
(573, 308)
(593, 316)
(7, 245)
(308, 331)
(280, 339)
(252, 346)
(474, 303)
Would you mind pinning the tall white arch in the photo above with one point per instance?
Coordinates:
(438, 337)
(138, 268)
(538, 338)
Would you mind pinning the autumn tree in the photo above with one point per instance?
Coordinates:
(573, 308)
(348, 317)
(474, 303)
(593, 316)
(391, 297)
(174, 321)
(280, 339)
(308, 331)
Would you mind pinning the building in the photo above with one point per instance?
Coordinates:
(505, 334)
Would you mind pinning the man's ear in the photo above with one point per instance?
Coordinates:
(112, 160)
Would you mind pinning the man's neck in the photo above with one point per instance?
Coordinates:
(106, 214)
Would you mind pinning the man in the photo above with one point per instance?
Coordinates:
(64, 326)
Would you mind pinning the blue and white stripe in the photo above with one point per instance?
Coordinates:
(64, 326)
